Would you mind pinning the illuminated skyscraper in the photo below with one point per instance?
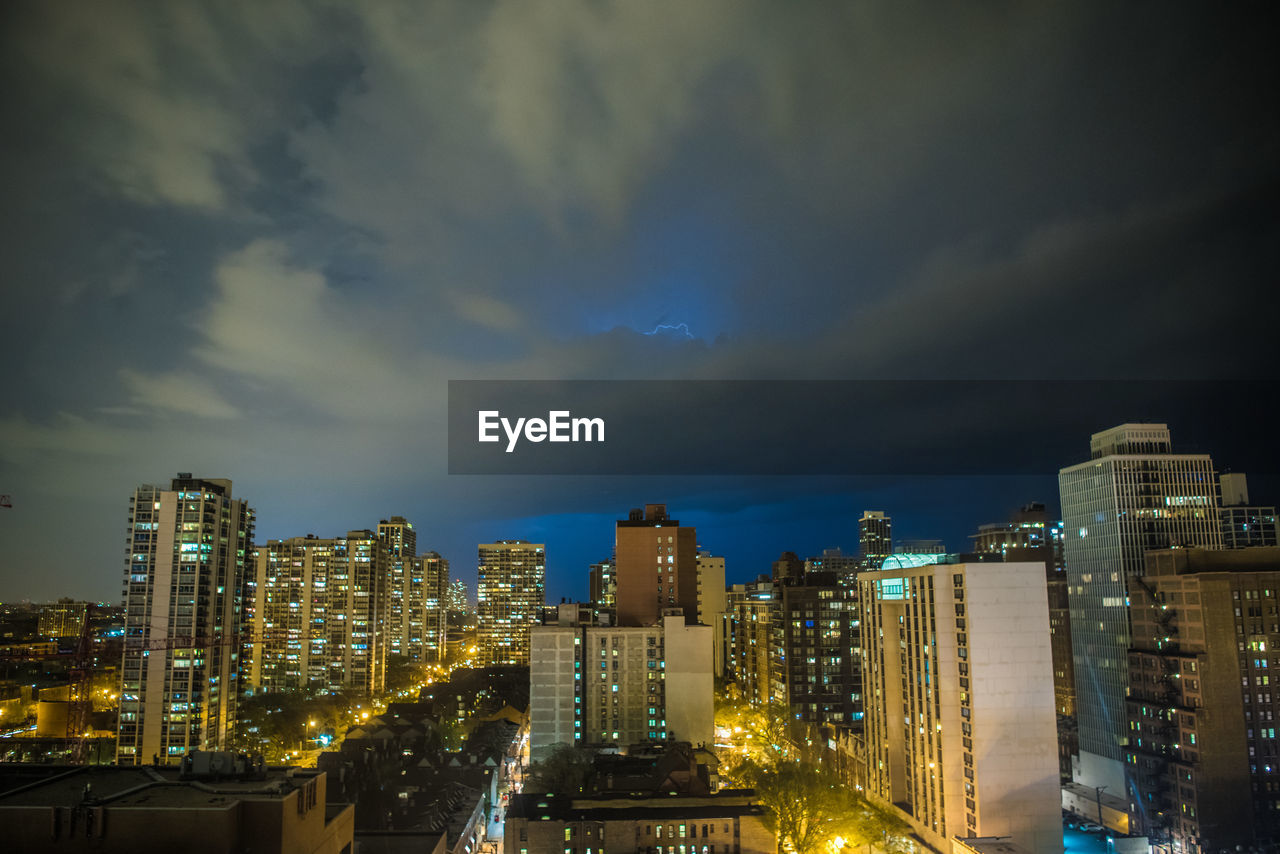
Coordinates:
(183, 589)
(603, 585)
(401, 543)
(656, 567)
(875, 537)
(319, 613)
(1133, 495)
(512, 590)
(428, 614)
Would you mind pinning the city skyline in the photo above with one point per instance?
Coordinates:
(257, 243)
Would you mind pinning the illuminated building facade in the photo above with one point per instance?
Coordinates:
(319, 614)
(960, 730)
(875, 537)
(755, 608)
(603, 585)
(428, 613)
(1203, 759)
(1134, 494)
(400, 541)
(511, 592)
(816, 649)
(183, 588)
(62, 619)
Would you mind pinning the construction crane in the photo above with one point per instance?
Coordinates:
(80, 691)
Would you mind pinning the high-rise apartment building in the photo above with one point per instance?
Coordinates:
(1203, 759)
(400, 541)
(62, 619)
(183, 589)
(846, 567)
(755, 609)
(603, 585)
(620, 684)
(960, 728)
(428, 613)
(816, 668)
(319, 614)
(511, 592)
(656, 567)
(1134, 494)
(875, 537)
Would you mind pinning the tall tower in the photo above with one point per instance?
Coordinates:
(183, 588)
(656, 567)
(1133, 495)
(428, 617)
(875, 537)
(512, 589)
(401, 544)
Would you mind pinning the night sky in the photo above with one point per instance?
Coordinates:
(255, 240)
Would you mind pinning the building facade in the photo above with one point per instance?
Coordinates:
(755, 609)
(62, 619)
(1203, 760)
(960, 728)
(1245, 525)
(184, 579)
(428, 617)
(319, 619)
(875, 537)
(816, 649)
(620, 685)
(713, 606)
(1134, 494)
(400, 541)
(656, 566)
(728, 822)
(1032, 536)
(511, 592)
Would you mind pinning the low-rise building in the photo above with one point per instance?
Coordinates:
(214, 804)
(728, 822)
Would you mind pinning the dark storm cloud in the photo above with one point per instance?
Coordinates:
(256, 240)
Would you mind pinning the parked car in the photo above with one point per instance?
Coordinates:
(1090, 827)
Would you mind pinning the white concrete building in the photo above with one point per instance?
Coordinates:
(620, 684)
(960, 720)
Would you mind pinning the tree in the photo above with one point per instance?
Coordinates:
(564, 771)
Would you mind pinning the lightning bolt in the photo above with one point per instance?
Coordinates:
(679, 327)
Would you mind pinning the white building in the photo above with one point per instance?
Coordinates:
(960, 721)
(184, 575)
(620, 684)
